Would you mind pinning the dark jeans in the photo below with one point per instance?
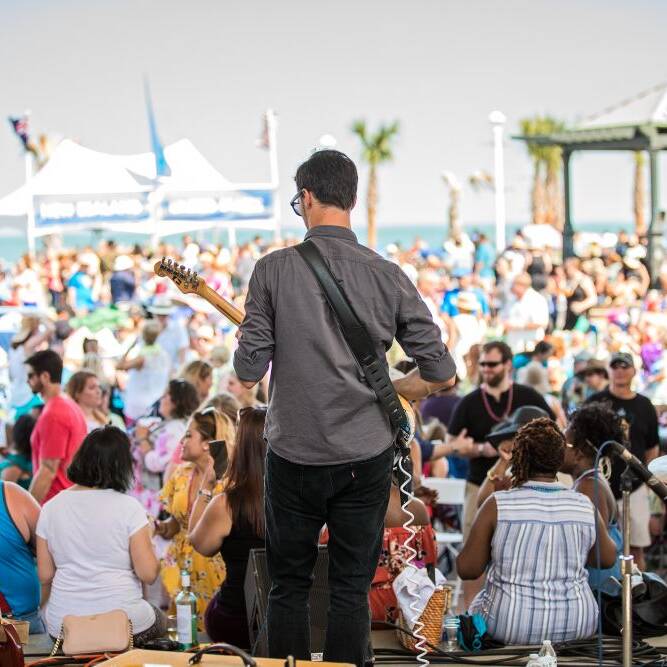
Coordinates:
(352, 500)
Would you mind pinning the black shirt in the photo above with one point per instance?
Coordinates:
(642, 419)
(471, 414)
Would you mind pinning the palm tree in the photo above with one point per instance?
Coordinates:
(529, 128)
(546, 195)
(639, 193)
(375, 149)
(454, 186)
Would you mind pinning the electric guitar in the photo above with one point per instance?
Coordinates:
(189, 282)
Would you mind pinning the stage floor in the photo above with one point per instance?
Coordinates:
(40, 646)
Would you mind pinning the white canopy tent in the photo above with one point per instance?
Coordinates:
(81, 189)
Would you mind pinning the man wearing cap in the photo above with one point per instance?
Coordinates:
(173, 338)
(642, 420)
(123, 281)
(465, 284)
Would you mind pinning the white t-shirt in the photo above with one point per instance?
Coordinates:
(88, 535)
(531, 309)
(172, 339)
(146, 385)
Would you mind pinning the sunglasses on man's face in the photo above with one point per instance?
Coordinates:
(620, 364)
(490, 364)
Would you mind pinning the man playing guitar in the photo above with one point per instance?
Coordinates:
(330, 445)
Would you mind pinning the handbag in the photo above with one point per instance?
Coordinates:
(110, 632)
(11, 652)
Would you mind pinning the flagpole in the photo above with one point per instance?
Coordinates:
(271, 125)
(30, 223)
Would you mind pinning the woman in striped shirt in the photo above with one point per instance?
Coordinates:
(534, 542)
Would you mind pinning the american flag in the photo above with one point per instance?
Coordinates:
(21, 128)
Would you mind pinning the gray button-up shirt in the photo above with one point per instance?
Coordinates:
(321, 411)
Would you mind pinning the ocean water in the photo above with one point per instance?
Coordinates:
(13, 246)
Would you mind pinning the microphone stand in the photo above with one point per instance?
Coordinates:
(627, 563)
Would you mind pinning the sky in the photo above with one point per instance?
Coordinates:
(439, 67)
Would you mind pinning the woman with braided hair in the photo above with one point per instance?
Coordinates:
(534, 541)
(590, 426)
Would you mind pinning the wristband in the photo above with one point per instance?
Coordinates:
(205, 493)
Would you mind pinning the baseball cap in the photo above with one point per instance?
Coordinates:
(624, 357)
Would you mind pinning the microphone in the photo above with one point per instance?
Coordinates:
(637, 467)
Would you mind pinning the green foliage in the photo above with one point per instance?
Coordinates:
(376, 147)
(549, 156)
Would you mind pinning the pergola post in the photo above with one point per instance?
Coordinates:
(568, 231)
(655, 231)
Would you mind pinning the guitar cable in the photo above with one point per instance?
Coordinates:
(406, 496)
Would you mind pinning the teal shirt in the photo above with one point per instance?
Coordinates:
(19, 583)
(20, 462)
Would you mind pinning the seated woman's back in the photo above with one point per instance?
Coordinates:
(93, 543)
(18, 516)
(534, 542)
(543, 536)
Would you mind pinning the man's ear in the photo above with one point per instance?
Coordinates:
(307, 199)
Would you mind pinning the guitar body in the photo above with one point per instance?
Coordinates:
(189, 282)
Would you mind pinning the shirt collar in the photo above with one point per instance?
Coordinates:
(332, 230)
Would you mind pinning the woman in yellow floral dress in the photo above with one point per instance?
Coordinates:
(179, 495)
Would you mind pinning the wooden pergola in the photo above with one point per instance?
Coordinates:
(638, 124)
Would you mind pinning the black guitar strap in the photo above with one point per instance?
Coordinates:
(356, 335)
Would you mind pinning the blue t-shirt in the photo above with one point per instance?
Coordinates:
(485, 256)
(82, 284)
(449, 300)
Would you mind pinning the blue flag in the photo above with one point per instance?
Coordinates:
(161, 166)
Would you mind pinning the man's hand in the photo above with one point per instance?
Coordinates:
(505, 450)
(462, 444)
(414, 388)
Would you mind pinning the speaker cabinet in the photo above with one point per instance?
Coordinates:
(257, 586)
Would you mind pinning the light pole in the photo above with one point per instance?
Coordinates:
(497, 119)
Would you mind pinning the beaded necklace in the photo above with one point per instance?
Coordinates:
(491, 413)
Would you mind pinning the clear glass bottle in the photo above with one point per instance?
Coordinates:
(186, 614)
(547, 654)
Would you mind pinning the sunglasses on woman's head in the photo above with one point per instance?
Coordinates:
(490, 364)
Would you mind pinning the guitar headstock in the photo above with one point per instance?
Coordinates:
(186, 280)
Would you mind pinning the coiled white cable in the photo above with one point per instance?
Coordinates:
(417, 625)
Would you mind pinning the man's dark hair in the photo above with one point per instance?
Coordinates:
(543, 347)
(103, 461)
(47, 361)
(184, 397)
(504, 349)
(331, 176)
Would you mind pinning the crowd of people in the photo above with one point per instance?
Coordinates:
(114, 384)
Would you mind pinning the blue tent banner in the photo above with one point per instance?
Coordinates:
(232, 205)
(53, 210)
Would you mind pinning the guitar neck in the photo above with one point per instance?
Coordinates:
(229, 310)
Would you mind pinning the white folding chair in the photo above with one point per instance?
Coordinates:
(450, 492)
